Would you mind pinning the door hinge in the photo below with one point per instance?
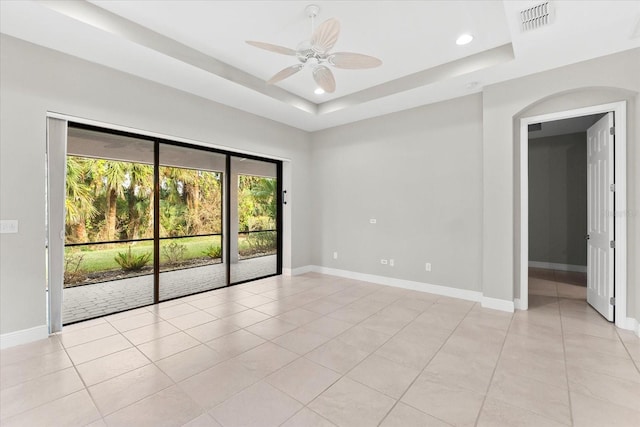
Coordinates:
(612, 130)
(612, 301)
(612, 187)
(612, 244)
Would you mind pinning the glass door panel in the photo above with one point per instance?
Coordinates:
(191, 221)
(254, 219)
(108, 265)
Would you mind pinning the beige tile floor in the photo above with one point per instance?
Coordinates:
(317, 350)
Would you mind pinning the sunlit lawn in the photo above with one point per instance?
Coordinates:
(98, 258)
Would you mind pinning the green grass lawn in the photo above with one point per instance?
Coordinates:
(102, 258)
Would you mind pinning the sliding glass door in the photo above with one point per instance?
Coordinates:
(148, 220)
(254, 219)
(190, 221)
(108, 256)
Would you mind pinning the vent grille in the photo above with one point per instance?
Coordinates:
(534, 127)
(536, 16)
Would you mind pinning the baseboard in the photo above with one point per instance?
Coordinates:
(465, 294)
(24, 336)
(633, 325)
(401, 283)
(559, 267)
(301, 270)
(498, 304)
(517, 304)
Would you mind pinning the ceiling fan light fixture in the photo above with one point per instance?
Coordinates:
(315, 54)
(464, 39)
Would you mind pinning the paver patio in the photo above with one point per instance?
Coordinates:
(89, 301)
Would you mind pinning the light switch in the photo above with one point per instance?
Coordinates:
(8, 226)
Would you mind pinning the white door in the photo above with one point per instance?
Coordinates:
(600, 218)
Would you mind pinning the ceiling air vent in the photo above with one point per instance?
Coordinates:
(534, 127)
(536, 16)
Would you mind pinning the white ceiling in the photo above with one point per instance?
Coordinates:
(414, 39)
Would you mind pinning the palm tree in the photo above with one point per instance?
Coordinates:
(210, 215)
(264, 191)
(183, 190)
(139, 197)
(114, 176)
(79, 201)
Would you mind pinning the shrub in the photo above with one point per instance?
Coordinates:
(174, 252)
(263, 242)
(130, 262)
(213, 251)
(73, 271)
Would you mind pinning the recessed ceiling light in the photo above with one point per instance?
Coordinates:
(464, 39)
(319, 91)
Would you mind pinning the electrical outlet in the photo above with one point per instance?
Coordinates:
(427, 266)
(391, 263)
(335, 255)
(8, 226)
(373, 221)
(384, 262)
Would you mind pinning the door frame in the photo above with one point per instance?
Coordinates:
(620, 201)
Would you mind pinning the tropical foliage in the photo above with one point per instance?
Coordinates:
(131, 262)
(112, 201)
(256, 203)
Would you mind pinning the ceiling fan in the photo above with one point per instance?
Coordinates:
(315, 53)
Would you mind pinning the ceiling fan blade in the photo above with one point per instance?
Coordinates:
(325, 36)
(272, 48)
(283, 74)
(324, 77)
(353, 61)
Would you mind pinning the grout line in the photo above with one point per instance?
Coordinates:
(495, 367)
(348, 286)
(564, 354)
(124, 373)
(73, 366)
(627, 350)
(357, 364)
(425, 367)
(117, 332)
(297, 358)
(207, 410)
(86, 388)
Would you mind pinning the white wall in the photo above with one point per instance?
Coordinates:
(35, 80)
(418, 173)
(441, 180)
(383, 168)
(599, 81)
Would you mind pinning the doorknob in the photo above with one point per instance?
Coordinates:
(586, 237)
(284, 200)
